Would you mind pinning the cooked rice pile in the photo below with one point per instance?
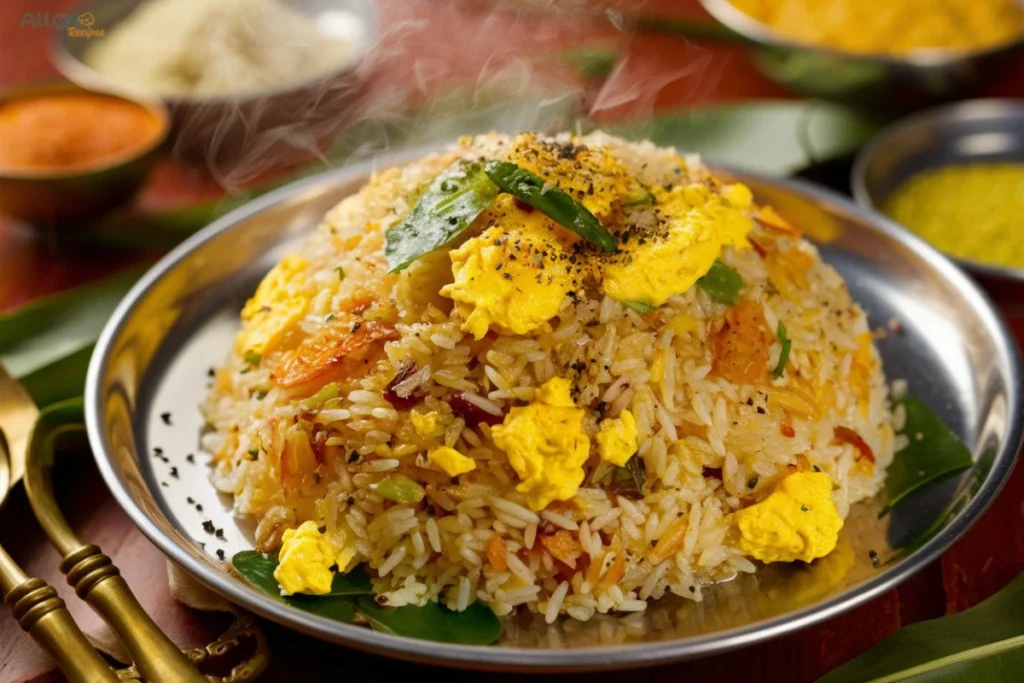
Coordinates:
(716, 431)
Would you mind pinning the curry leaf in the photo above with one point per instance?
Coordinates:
(449, 205)
(983, 643)
(933, 452)
(49, 329)
(258, 569)
(351, 596)
(722, 283)
(476, 625)
(549, 200)
(784, 354)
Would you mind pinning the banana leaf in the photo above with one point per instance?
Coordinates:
(47, 342)
(984, 643)
(775, 138)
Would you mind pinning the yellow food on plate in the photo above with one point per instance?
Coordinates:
(546, 445)
(798, 521)
(891, 26)
(513, 276)
(549, 381)
(278, 304)
(698, 223)
(971, 211)
(451, 461)
(616, 439)
(306, 561)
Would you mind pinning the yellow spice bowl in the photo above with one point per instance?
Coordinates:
(975, 131)
(876, 82)
(54, 197)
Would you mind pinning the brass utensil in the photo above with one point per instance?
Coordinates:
(91, 573)
(34, 603)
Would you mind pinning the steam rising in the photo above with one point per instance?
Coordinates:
(433, 71)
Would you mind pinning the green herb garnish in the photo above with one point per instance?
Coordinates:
(722, 283)
(351, 596)
(640, 307)
(477, 625)
(399, 489)
(933, 452)
(549, 200)
(252, 358)
(447, 207)
(341, 272)
(629, 481)
(784, 354)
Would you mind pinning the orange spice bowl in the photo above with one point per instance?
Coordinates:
(60, 156)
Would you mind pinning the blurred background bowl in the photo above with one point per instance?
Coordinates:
(969, 132)
(53, 196)
(885, 83)
(225, 128)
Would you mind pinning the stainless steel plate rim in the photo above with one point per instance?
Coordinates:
(512, 658)
(969, 109)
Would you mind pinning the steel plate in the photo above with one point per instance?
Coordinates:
(149, 374)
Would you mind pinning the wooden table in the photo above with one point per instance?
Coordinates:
(671, 73)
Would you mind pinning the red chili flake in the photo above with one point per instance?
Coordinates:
(472, 413)
(853, 438)
(787, 430)
(401, 402)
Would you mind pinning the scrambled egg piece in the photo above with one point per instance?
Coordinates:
(305, 561)
(590, 175)
(616, 439)
(798, 521)
(698, 223)
(277, 305)
(427, 425)
(546, 445)
(514, 276)
(451, 461)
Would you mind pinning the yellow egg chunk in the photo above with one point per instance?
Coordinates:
(590, 175)
(697, 224)
(514, 275)
(305, 561)
(451, 461)
(546, 445)
(427, 424)
(616, 439)
(798, 521)
(277, 305)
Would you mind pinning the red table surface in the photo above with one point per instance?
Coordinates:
(672, 73)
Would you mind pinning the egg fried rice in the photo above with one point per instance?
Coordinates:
(523, 419)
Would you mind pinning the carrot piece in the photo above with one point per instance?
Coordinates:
(496, 553)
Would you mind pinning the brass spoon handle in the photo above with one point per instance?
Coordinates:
(41, 613)
(92, 574)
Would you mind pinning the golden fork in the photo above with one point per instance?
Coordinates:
(91, 573)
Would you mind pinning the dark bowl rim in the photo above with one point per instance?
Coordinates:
(540, 660)
(759, 34)
(967, 109)
(77, 71)
(152, 105)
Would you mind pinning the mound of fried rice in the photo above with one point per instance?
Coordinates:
(709, 446)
